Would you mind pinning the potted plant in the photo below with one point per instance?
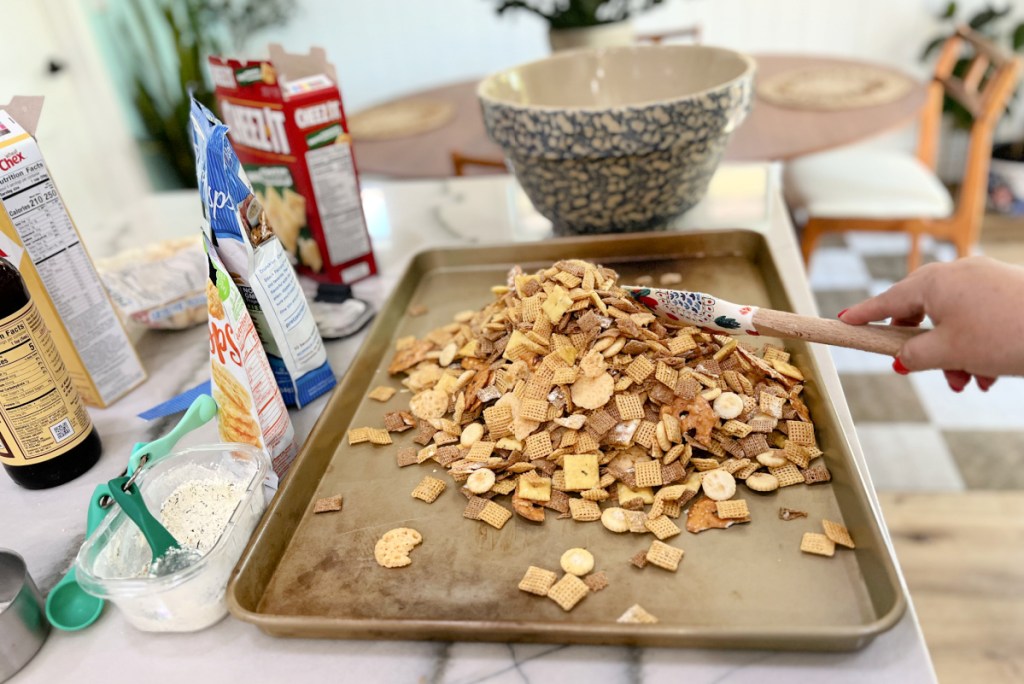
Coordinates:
(1006, 172)
(584, 23)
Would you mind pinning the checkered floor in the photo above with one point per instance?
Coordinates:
(916, 433)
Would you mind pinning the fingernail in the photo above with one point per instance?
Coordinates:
(840, 314)
(898, 366)
(958, 390)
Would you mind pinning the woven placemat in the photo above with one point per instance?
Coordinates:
(834, 87)
(400, 119)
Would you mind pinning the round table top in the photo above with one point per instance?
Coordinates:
(770, 133)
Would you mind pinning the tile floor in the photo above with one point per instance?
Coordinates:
(918, 435)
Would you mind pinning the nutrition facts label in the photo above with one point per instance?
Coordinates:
(337, 199)
(42, 416)
(49, 237)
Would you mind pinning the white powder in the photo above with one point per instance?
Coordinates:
(197, 511)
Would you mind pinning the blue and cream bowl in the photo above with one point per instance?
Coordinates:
(618, 139)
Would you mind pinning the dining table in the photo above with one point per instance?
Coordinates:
(771, 132)
(404, 217)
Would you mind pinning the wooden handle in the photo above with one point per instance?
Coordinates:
(880, 339)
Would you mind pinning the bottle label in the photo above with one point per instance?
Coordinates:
(41, 414)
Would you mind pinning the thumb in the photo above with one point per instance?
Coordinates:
(926, 351)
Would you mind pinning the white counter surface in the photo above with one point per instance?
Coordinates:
(47, 526)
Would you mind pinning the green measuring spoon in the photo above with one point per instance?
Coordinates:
(202, 409)
(168, 554)
(68, 606)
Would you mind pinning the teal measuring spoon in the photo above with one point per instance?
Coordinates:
(68, 606)
(201, 411)
(168, 554)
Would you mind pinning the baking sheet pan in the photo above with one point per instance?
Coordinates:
(748, 586)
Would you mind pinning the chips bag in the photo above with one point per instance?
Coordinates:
(244, 242)
(251, 410)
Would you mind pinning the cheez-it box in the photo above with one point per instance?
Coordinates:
(287, 125)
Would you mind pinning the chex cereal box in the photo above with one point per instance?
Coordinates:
(38, 236)
(246, 242)
(288, 128)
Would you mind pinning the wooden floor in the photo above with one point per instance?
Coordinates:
(963, 557)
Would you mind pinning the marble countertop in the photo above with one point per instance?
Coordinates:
(47, 527)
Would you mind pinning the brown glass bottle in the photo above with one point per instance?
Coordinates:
(46, 436)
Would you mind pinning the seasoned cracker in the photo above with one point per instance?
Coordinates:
(382, 393)
(581, 471)
(429, 489)
(838, 533)
(664, 556)
(537, 581)
(568, 591)
(328, 504)
(817, 544)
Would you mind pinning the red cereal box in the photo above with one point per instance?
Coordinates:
(287, 125)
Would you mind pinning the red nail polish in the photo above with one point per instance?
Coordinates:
(898, 366)
(840, 314)
(958, 390)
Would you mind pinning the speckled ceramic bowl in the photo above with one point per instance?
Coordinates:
(618, 139)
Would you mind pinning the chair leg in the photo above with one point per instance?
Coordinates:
(914, 257)
(809, 240)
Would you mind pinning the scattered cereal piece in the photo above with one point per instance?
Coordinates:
(382, 393)
(664, 556)
(494, 515)
(596, 581)
(662, 527)
(838, 533)
(577, 561)
(636, 615)
(584, 511)
(392, 549)
(817, 474)
(406, 456)
(358, 435)
(474, 507)
(537, 581)
(791, 514)
(418, 310)
(718, 485)
(328, 504)
(429, 489)
(639, 559)
(734, 508)
(818, 544)
(581, 471)
(728, 405)
(614, 520)
(787, 475)
(703, 515)
(762, 482)
(378, 436)
(568, 591)
(648, 474)
(480, 481)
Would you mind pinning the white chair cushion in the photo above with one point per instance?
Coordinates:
(865, 183)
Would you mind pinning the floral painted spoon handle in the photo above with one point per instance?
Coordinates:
(707, 311)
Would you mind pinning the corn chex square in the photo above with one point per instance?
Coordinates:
(817, 544)
(583, 510)
(568, 591)
(358, 435)
(662, 527)
(480, 451)
(771, 404)
(801, 432)
(494, 515)
(534, 409)
(644, 435)
(666, 375)
(640, 368)
(382, 393)
(664, 556)
(564, 376)
(648, 474)
(681, 344)
(733, 508)
(736, 428)
(796, 454)
(636, 615)
(838, 533)
(538, 445)
(499, 420)
(429, 489)
(537, 581)
(630, 406)
(787, 475)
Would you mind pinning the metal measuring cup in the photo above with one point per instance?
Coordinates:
(23, 624)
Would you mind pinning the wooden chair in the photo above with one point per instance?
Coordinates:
(874, 190)
(461, 161)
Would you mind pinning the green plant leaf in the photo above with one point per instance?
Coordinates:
(986, 16)
(933, 45)
(1018, 38)
(949, 12)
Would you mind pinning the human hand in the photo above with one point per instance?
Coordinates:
(977, 308)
